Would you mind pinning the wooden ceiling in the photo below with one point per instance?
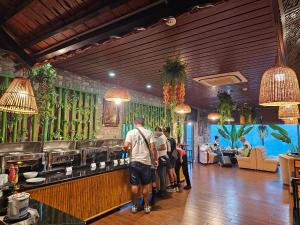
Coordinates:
(218, 36)
(232, 36)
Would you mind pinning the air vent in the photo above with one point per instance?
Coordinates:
(221, 79)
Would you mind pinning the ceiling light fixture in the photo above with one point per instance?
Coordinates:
(149, 86)
(111, 74)
(183, 109)
(117, 95)
(288, 112)
(214, 116)
(279, 86)
(19, 97)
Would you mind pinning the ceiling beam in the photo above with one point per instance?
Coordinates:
(71, 22)
(143, 17)
(22, 4)
(11, 45)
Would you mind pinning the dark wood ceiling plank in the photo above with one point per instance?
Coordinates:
(205, 24)
(18, 8)
(70, 23)
(13, 46)
(221, 30)
(211, 46)
(143, 17)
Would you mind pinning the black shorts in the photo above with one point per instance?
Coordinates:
(140, 173)
(164, 161)
(172, 162)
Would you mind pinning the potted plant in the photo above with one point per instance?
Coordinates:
(225, 106)
(247, 114)
(173, 79)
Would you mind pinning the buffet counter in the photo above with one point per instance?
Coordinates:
(97, 192)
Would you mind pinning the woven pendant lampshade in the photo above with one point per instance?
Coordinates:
(117, 95)
(288, 112)
(214, 116)
(291, 121)
(19, 97)
(279, 86)
(183, 109)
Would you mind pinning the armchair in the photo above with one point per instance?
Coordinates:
(206, 156)
(248, 162)
(263, 163)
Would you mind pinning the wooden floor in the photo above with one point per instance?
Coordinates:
(219, 196)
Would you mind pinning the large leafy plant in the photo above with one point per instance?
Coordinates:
(262, 133)
(234, 134)
(225, 106)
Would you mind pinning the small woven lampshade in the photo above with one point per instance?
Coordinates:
(288, 112)
(214, 116)
(279, 86)
(19, 97)
(291, 121)
(183, 109)
(117, 95)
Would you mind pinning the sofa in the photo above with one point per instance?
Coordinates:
(257, 161)
(264, 163)
(206, 156)
(247, 162)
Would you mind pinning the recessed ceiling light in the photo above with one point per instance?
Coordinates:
(149, 86)
(111, 74)
(139, 28)
(244, 89)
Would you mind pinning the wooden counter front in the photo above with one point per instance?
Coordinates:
(88, 197)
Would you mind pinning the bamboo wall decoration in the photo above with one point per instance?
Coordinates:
(68, 117)
(65, 114)
(153, 115)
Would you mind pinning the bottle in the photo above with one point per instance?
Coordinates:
(12, 173)
(16, 174)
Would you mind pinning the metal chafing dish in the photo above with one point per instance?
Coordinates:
(27, 155)
(61, 154)
(92, 151)
(115, 148)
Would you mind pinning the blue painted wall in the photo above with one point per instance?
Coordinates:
(272, 145)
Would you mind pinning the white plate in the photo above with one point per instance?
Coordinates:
(36, 180)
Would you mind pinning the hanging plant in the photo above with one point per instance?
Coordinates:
(225, 106)
(43, 79)
(173, 79)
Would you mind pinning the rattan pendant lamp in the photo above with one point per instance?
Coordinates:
(19, 97)
(117, 95)
(213, 116)
(279, 86)
(288, 112)
(182, 109)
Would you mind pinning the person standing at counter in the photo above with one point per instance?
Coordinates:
(141, 146)
(173, 156)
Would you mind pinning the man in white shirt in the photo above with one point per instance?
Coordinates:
(245, 150)
(140, 144)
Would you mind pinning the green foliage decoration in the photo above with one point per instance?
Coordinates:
(174, 71)
(234, 134)
(225, 106)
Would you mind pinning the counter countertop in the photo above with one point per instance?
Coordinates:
(60, 176)
(51, 216)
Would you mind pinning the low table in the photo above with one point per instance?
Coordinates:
(231, 154)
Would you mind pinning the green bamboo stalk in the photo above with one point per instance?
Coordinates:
(95, 119)
(85, 116)
(52, 111)
(79, 116)
(15, 128)
(3, 126)
(65, 115)
(73, 115)
(23, 127)
(90, 122)
(34, 128)
(46, 124)
(4, 114)
(59, 109)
